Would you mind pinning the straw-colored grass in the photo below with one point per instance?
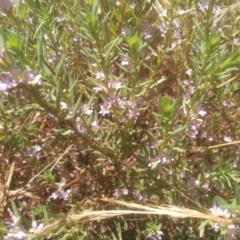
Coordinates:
(167, 210)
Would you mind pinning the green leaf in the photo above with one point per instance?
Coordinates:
(45, 213)
(237, 192)
(3, 229)
(202, 227)
(154, 164)
(178, 149)
(14, 208)
(178, 130)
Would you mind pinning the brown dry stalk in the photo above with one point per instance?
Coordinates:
(204, 149)
(167, 210)
(8, 177)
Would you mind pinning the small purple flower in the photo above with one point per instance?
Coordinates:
(236, 42)
(6, 5)
(133, 113)
(99, 75)
(63, 105)
(163, 13)
(124, 62)
(216, 226)
(147, 29)
(61, 194)
(227, 139)
(189, 72)
(232, 231)
(139, 196)
(124, 191)
(120, 192)
(111, 100)
(104, 109)
(154, 144)
(160, 160)
(132, 5)
(164, 28)
(16, 233)
(181, 11)
(125, 31)
(201, 111)
(32, 78)
(87, 110)
(206, 186)
(189, 89)
(100, 88)
(80, 125)
(216, 210)
(115, 84)
(156, 236)
(203, 5)
(234, 164)
(95, 126)
(35, 228)
(193, 128)
(117, 193)
(16, 77)
(122, 103)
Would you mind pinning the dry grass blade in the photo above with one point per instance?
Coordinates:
(22, 192)
(167, 210)
(6, 187)
(197, 149)
(172, 211)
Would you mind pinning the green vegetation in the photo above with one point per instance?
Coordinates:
(119, 119)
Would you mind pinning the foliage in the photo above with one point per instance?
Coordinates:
(131, 100)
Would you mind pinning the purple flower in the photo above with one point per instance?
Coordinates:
(32, 78)
(157, 236)
(147, 29)
(203, 5)
(6, 5)
(206, 186)
(100, 88)
(16, 77)
(227, 139)
(63, 105)
(193, 127)
(122, 102)
(80, 125)
(163, 13)
(161, 159)
(104, 109)
(16, 233)
(125, 31)
(181, 11)
(115, 84)
(112, 99)
(154, 144)
(164, 28)
(124, 61)
(189, 89)
(232, 231)
(201, 111)
(95, 126)
(120, 192)
(99, 75)
(61, 194)
(35, 228)
(216, 210)
(139, 196)
(133, 113)
(189, 72)
(87, 110)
